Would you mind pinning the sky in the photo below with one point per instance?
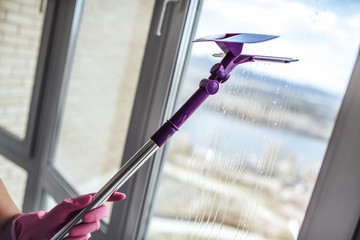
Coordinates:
(323, 34)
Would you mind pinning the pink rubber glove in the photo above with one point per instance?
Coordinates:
(44, 225)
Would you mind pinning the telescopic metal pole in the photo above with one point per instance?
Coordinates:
(113, 185)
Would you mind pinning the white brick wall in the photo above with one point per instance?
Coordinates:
(20, 31)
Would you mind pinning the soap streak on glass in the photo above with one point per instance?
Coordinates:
(225, 154)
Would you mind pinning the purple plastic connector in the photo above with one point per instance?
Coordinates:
(231, 44)
(207, 87)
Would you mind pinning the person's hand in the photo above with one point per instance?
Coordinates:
(44, 225)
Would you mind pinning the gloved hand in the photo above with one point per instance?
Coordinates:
(44, 225)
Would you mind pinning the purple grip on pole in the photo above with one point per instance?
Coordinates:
(163, 134)
(207, 87)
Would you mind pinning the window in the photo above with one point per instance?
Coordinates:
(21, 25)
(245, 165)
(248, 163)
(69, 35)
(102, 86)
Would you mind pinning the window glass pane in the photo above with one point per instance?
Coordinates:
(14, 178)
(103, 83)
(244, 166)
(49, 202)
(20, 31)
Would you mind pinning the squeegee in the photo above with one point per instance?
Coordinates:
(231, 44)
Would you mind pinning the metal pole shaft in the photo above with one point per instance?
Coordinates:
(144, 153)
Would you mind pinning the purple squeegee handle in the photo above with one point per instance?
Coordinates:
(220, 72)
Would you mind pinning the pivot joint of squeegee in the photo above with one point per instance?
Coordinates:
(221, 71)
